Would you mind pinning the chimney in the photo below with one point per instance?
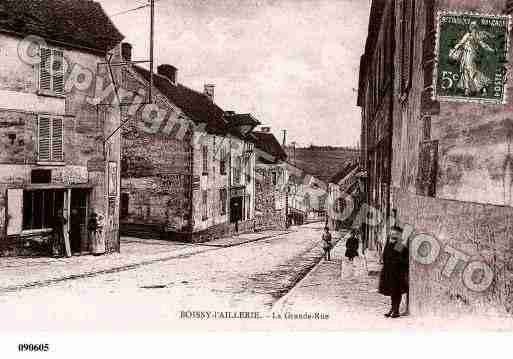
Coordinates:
(265, 129)
(209, 91)
(169, 72)
(126, 51)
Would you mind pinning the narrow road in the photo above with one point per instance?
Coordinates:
(247, 277)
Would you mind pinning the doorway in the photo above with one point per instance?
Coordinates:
(235, 209)
(79, 206)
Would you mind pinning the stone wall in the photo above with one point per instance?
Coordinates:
(85, 125)
(156, 169)
(482, 232)
(270, 201)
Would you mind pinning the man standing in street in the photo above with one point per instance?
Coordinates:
(393, 281)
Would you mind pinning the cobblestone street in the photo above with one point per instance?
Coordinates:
(219, 275)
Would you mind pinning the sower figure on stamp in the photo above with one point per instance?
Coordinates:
(327, 245)
(465, 53)
(393, 281)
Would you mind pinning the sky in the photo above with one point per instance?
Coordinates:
(292, 64)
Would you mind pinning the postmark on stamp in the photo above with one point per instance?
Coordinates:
(471, 53)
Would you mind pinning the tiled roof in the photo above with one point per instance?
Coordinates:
(343, 173)
(235, 120)
(241, 119)
(80, 23)
(195, 104)
(267, 143)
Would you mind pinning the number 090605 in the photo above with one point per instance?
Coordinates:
(33, 347)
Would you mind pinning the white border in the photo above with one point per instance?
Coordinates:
(435, 96)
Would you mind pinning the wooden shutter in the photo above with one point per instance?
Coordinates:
(44, 139)
(14, 211)
(57, 139)
(57, 71)
(45, 78)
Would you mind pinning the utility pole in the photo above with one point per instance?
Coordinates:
(284, 142)
(294, 149)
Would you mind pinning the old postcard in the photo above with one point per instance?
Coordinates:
(188, 165)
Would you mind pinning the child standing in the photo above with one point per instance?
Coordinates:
(327, 245)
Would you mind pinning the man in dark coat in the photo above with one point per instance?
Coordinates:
(352, 245)
(393, 281)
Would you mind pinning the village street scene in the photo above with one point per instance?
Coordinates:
(185, 165)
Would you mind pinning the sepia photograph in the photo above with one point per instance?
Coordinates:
(254, 166)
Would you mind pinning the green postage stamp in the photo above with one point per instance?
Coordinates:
(471, 53)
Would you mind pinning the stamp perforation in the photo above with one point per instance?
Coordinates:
(434, 95)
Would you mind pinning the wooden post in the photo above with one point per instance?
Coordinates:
(67, 204)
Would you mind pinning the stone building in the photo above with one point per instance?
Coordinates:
(450, 171)
(344, 183)
(270, 177)
(55, 154)
(187, 173)
(375, 97)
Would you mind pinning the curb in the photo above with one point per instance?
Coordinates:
(279, 302)
(46, 282)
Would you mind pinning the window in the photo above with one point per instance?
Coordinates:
(407, 37)
(51, 70)
(222, 164)
(222, 201)
(237, 170)
(125, 198)
(39, 208)
(274, 178)
(248, 206)
(248, 170)
(205, 159)
(204, 208)
(50, 133)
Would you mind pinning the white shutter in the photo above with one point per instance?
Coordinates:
(44, 138)
(14, 211)
(57, 139)
(57, 71)
(45, 78)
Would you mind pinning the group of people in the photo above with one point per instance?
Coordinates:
(94, 227)
(393, 280)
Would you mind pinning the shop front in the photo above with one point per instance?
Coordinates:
(33, 211)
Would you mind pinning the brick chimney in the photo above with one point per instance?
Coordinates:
(126, 51)
(209, 91)
(168, 71)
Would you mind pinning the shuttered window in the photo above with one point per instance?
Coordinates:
(51, 70)
(50, 139)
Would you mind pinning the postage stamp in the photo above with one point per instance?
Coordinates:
(471, 53)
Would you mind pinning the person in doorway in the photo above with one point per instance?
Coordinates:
(95, 228)
(74, 231)
(352, 245)
(393, 281)
(58, 222)
(327, 245)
